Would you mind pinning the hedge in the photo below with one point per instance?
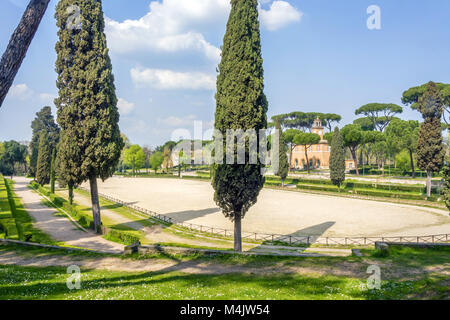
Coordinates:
(387, 194)
(121, 236)
(86, 220)
(319, 187)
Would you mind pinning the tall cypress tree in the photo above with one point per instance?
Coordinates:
(52, 172)
(87, 103)
(337, 159)
(430, 149)
(44, 160)
(44, 121)
(240, 104)
(283, 164)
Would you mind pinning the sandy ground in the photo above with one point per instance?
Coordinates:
(280, 212)
(59, 228)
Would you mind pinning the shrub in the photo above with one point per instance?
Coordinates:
(121, 236)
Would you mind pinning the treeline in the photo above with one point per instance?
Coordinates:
(380, 137)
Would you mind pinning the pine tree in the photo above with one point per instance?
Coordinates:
(87, 103)
(337, 159)
(240, 104)
(430, 149)
(283, 165)
(19, 43)
(52, 172)
(44, 159)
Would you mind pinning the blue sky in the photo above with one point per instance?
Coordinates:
(318, 55)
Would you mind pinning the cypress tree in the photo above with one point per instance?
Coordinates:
(337, 159)
(68, 163)
(446, 190)
(430, 149)
(44, 159)
(283, 165)
(52, 172)
(240, 104)
(44, 121)
(87, 103)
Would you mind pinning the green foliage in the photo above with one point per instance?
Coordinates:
(412, 96)
(380, 114)
(305, 120)
(156, 160)
(68, 160)
(240, 104)
(353, 137)
(44, 121)
(24, 223)
(2, 150)
(8, 228)
(87, 103)
(44, 160)
(283, 164)
(306, 139)
(14, 153)
(120, 236)
(365, 123)
(337, 159)
(403, 160)
(134, 157)
(52, 172)
(430, 150)
(446, 190)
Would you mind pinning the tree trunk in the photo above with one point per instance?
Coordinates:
(429, 176)
(95, 205)
(355, 158)
(237, 232)
(19, 43)
(70, 194)
(307, 160)
(413, 171)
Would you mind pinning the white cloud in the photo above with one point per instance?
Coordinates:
(124, 106)
(280, 14)
(47, 98)
(167, 79)
(169, 26)
(177, 121)
(178, 26)
(21, 92)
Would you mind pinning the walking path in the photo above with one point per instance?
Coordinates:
(59, 228)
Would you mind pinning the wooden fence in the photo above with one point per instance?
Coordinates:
(278, 238)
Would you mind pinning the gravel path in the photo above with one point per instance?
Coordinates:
(59, 228)
(280, 212)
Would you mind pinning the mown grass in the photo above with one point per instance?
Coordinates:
(50, 283)
(119, 233)
(23, 221)
(8, 228)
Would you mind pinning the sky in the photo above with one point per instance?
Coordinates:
(319, 56)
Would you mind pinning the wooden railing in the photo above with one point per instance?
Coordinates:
(279, 238)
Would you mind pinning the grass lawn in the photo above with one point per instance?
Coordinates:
(406, 274)
(23, 221)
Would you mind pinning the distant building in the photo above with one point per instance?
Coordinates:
(318, 154)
